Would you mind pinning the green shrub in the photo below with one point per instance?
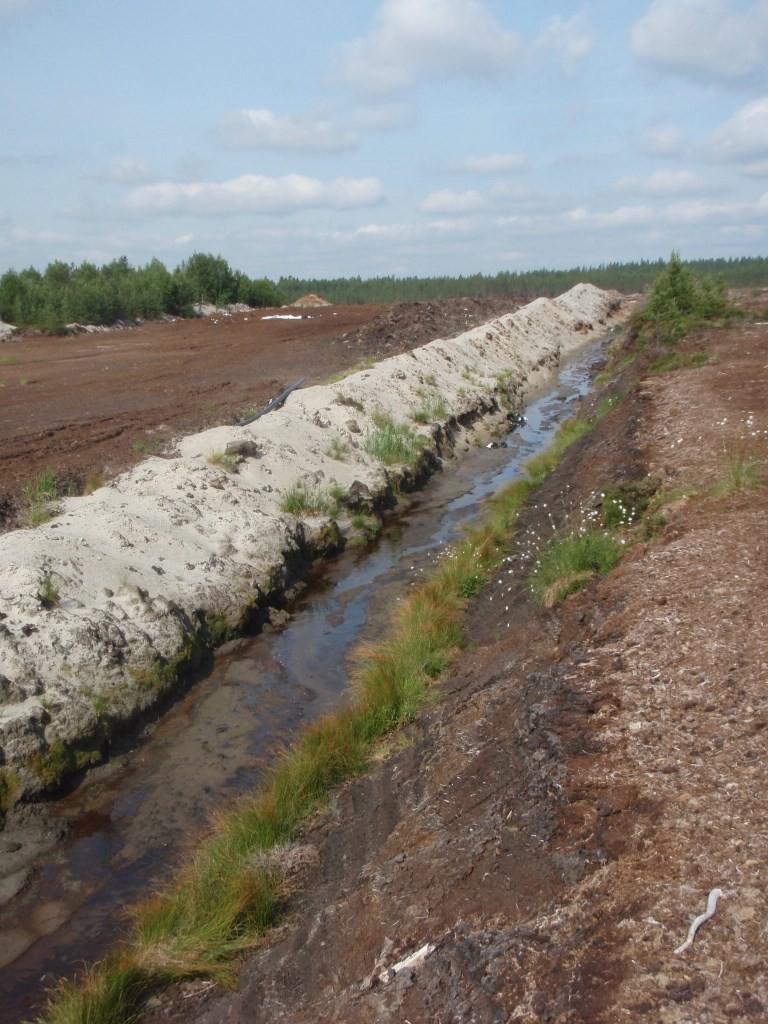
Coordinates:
(679, 301)
(567, 563)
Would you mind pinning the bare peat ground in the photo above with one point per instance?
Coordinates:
(556, 821)
(97, 403)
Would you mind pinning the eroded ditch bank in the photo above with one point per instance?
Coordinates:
(102, 608)
(126, 822)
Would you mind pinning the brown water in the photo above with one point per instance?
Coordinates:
(128, 820)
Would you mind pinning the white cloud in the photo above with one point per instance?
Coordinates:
(755, 169)
(746, 133)
(413, 39)
(496, 163)
(709, 38)
(127, 171)
(447, 201)
(663, 140)
(255, 193)
(379, 117)
(665, 183)
(690, 211)
(263, 129)
(696, 211)
(571, 39)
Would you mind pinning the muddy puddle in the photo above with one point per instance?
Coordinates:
(126, 823)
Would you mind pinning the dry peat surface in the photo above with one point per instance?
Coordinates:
(96, 403)
(540, 840)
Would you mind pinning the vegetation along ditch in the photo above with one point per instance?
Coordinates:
(126, 824)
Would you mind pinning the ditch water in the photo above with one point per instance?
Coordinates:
(128, 821)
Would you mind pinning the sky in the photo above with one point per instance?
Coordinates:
(392, 137)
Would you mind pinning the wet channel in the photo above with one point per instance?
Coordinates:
(128, 821)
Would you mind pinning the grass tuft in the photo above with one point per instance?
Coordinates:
(306, 499)
(48, 591)
(679, 361)
(224, 460)
(433, 409)
(567, 563)
(40, 496)
(337, 449)
(392, 442)
(742, 472)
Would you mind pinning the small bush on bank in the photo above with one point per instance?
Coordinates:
(680, 301)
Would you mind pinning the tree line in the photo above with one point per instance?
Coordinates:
(528, 284)
(65, 293)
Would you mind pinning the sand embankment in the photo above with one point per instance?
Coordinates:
(100, 606)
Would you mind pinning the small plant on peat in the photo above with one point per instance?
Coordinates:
(40, 496)
(679, 361)
(568, 562)
(48, 591)
(337, 449)
(347, 400)
(433, 408)
(224, 460)
(368, 528)
(742, 472)
(306, 499)
(92, 483)
(392, 442)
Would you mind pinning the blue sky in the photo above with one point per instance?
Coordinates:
(398, 136)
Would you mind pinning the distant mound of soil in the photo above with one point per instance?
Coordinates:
(311, 300)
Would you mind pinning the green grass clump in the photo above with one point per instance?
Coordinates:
(679, 361)
(48, 591)
(224, 460)
(434, 408)
(337, 449)
(626, 503)
(306, 499)
(40, 496)
(62, 759)
(392, 443)
(741, 473)
(368, 528)
(567, 563)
